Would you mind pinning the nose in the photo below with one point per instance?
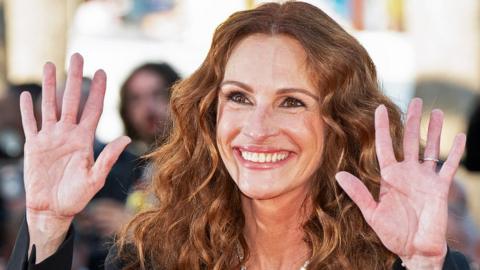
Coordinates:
(260, 125)
(151, 104)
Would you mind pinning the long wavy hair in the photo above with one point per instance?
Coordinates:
(197, 222)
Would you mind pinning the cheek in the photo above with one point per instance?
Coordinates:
(162, 109)
(132, 115)
(306, 132)
(306, 128)
(229, 124)
(315, 128)
(138, 114)
(163, 104)
(228, 127)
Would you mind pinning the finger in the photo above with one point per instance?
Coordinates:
(28, 118)
(383, 139)
(94, 105)
(358, 192)
(71, 96)
(432, 148)
(411, 136)
(49, 88)
(451, 164)
(107, 158)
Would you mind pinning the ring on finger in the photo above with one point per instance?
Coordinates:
(436, 160)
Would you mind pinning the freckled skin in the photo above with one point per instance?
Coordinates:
(266, 64)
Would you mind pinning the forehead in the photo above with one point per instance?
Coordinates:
(269, 60)
(145, 80)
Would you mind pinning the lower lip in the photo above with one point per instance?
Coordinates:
(260, 166)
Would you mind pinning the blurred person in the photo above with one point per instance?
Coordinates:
(144, 101)
(462, 233)
(12, 139)
(33, 88)
(11, 133)
(106, 213)
(472, 148)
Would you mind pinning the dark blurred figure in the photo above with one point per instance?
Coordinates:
(11, 131)
(35, 90)
(144, 99)
(472, 148)
(462, 233)
(11, 134)
(12, 201)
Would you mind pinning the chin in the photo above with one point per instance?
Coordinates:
(257, 192)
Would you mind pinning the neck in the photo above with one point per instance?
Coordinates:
(274, 232)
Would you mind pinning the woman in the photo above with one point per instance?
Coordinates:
(260, 170)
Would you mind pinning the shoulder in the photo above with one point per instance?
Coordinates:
(456, 260)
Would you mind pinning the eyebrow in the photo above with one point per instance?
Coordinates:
(280, 91)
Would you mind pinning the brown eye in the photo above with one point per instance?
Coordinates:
(238, 97)
(290, 102)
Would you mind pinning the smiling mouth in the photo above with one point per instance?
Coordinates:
(259, 157)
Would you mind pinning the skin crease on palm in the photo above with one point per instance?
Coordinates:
(269, 134)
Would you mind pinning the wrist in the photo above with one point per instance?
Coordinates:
(421, 262)
(47, 232)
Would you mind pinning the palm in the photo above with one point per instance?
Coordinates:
(63, 162)
(61, 175)
(410, 217)
(416, 223)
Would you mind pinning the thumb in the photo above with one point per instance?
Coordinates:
(107, 158)
(358, 192)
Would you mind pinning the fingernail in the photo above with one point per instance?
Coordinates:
(381, 107)
(417, 100)
(437, 111)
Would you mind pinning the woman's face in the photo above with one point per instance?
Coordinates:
(269, 129)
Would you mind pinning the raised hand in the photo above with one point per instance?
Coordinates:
(60, 173)
(410, 217)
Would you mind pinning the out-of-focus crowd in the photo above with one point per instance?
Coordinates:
(144, 99)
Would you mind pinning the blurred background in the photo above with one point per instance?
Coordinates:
(428, 48)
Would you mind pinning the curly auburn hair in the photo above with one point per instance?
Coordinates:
(198, 222)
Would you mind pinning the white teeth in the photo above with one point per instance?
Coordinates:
(263, 157)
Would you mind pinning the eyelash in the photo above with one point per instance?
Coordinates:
(297, 102)
(236, 96)
(240, 98)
